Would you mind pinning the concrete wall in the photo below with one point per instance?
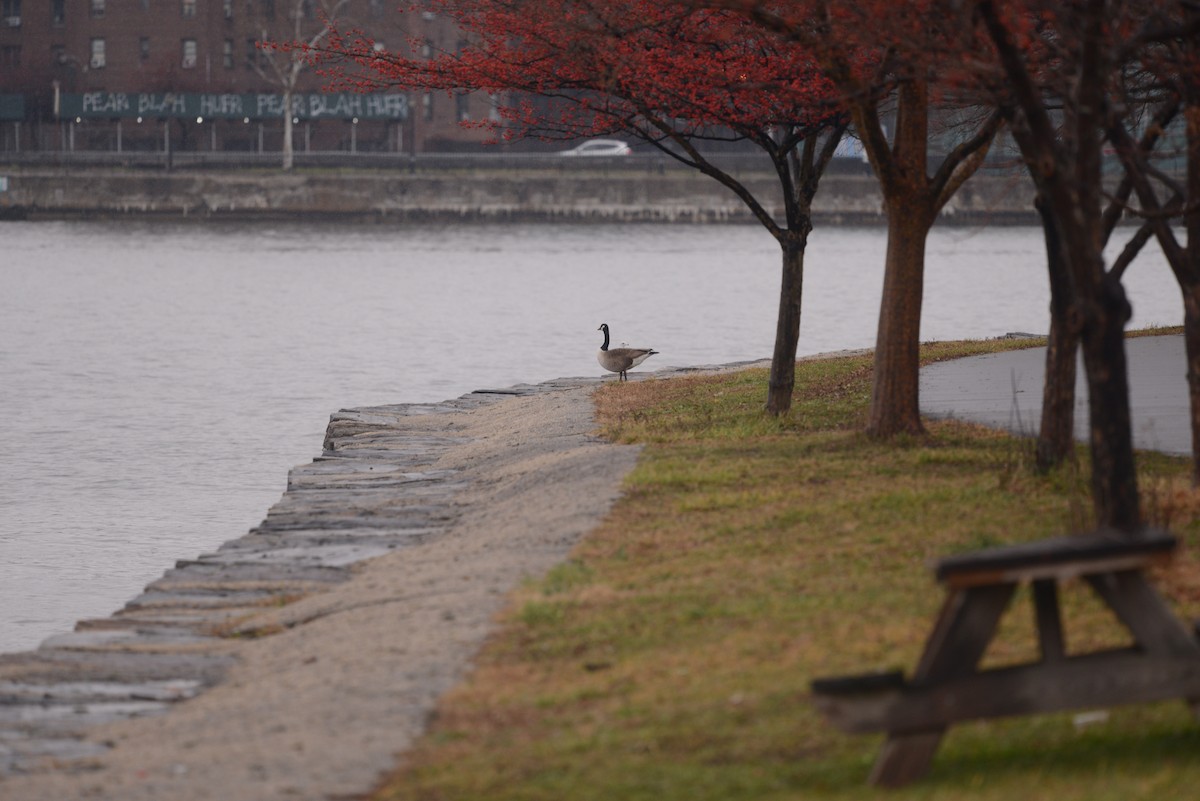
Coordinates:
(532, 195)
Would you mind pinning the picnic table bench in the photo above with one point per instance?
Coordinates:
(947, 686)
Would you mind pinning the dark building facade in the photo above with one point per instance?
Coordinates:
(191, 75)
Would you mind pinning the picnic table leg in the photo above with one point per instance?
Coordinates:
(1143, 611)
(904, 758)
(1051, 642)
(960, 636)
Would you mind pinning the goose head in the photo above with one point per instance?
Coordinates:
(604, 327)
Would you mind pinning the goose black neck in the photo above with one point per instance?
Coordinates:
(604, 328)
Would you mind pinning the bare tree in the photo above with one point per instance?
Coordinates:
(285, 54)
(1065, 163)
(1055, 442)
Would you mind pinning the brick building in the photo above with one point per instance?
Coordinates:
(140, 75)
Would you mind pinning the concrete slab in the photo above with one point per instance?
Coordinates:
(75, 692)
(314, 556)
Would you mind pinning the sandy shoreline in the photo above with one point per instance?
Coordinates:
(320, 708)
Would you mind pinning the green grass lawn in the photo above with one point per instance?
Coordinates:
(671, 657)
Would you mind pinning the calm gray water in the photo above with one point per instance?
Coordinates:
(158, 380)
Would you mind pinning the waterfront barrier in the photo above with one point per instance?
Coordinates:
(633, 189)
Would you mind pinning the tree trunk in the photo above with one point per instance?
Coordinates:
(1114, 476)
(910, 199)
(895, 394)
(1056, 434)
(1191, 339)
(289, 158)
(787, 329)
(1191, 292)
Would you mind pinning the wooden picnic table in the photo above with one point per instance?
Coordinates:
(947, 685)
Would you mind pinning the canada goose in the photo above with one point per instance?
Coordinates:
(618, 360)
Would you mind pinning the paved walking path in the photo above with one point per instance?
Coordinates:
(1004, 390)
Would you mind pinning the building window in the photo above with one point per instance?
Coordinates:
(228, 8)
(10, 56)
(376, 8)
(144, 49)
(427, 106)
(227, 54)
(252, 54)
(268, 7)
(462, 106)
(189, 54)
(97, 60)
(97, 8)
(189, 8)
(58, 12)
(10, 10)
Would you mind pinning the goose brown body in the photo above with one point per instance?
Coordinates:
(618, 360)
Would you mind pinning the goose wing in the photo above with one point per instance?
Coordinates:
(619, 359)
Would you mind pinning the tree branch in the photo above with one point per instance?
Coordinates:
(1131, 250)
(1112, 214)
(1134, 162)
(965, 160)
(697, 161)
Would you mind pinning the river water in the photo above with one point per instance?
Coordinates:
(157, 380)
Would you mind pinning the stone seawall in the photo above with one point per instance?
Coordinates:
(536, 195)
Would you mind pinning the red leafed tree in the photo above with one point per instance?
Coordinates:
(674, 76)
(894, 54)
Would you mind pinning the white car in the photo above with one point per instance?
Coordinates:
(599, 147)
